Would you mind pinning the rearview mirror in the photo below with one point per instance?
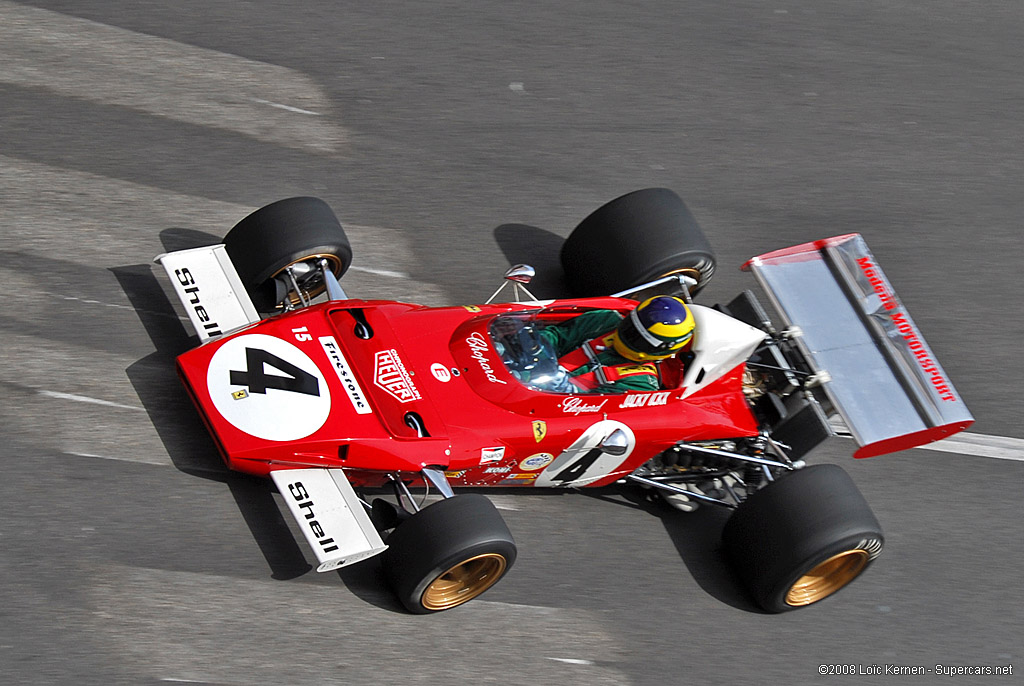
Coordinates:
(617, 443)
(521, 273)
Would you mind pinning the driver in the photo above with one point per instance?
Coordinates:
(605, 352)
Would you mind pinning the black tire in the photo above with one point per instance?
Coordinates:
(801, 538)
(448, 553)
(284, 233)
(633, 239)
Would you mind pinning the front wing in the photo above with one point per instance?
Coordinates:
(328, 512)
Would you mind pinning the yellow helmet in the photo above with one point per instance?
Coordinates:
(659, 327)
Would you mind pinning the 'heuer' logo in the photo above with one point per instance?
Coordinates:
(390, 374)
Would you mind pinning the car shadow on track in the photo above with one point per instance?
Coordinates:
(176, 421)
(365, 580)
(696, 537)
(525, 244)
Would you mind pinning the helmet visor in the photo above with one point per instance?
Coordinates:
(635, 336)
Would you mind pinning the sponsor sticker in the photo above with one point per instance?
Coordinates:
(480, 351)
(348, 380)
(488, 455)
(540, 430)
(577, 406)
(472, 308)
(632, 369)
(498, 470)
(391, 375)
(536, 462)
(645, 399)
(440, 372)
(518, 479)
(456, 475)
(903, 325)
(905, 328)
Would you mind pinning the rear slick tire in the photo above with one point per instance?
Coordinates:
(802, 538)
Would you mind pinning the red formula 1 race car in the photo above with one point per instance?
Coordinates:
(333, 397)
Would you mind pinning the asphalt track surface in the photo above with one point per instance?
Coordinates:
(454, 139)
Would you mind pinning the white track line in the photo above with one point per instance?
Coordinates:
(379, 272)
(89, 301)
(288, 108)
(981, 445)
(87, 399)
(571, 660)
(82, 59)
(977, 445)
(74, 453)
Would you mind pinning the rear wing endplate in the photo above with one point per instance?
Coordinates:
(209, 288)
(884, 380)
(330, 515)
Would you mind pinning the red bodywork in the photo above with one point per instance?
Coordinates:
(484, 427)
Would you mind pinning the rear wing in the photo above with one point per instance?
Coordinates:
(883, 379)
(209, 288)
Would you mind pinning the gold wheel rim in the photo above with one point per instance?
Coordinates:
(464, 581)
(685, 271)
(827, 577)
(293, 297)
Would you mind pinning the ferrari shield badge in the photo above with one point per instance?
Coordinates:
(540, 430)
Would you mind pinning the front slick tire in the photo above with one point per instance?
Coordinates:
(801, 538)
(448, 553)
(295, 232)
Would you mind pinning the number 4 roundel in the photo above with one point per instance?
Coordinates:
(584, 462)
(268, 388)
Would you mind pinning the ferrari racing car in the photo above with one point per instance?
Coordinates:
(337, 398)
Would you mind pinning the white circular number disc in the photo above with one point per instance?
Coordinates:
(577, 466)
(268, 388)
